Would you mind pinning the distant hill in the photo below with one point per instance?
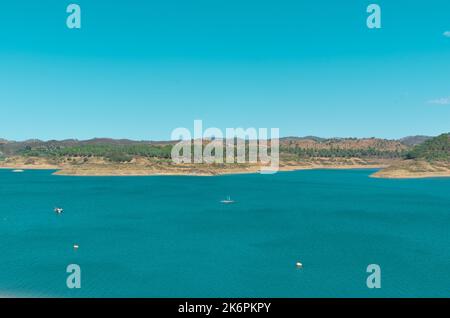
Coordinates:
(292, 147)
(125, 149)
(291, 138)
(414, 140)
(434, 149)
(342, 148)
(344, 143)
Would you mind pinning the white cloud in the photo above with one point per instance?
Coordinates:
(440, 101)
(447, 34)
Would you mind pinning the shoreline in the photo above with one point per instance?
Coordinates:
(196, 172)
(387, 170)
(145, 173)
(221, 173)
(410, 176)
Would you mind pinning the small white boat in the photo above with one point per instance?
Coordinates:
(17, 170)
(299, 265)
(75, 246)
(227, 201)
(58, 210)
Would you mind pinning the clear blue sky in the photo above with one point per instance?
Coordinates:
(139, 69)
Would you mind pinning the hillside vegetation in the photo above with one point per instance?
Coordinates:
(292, 148)
(435, 149)
(428, 159)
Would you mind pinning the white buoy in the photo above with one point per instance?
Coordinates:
(299, 265)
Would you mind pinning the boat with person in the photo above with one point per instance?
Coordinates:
(227, 201)
(58, 210)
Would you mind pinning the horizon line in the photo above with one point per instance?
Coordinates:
(169, 140)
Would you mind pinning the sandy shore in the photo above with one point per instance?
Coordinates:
(389, 169)
(76, 166)
(411, 176)
(180, 170)
(30, 167)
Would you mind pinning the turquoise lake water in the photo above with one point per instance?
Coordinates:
(171, 236)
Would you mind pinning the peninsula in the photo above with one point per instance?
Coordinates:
(431, 158)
